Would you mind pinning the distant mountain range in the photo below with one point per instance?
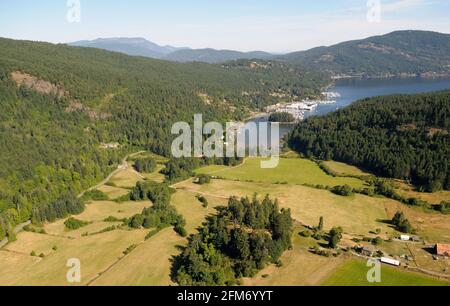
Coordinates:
(130, 46)
(143, 47)
(401, 52)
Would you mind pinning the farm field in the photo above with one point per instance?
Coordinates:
(300, 267)
(354, 273)
(345, 169)
(150, 263)
(357, 214)
(290, 170)
(408, 191)
(96, 254)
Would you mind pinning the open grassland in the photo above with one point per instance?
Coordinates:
(95, 213)
(354, 273)
(158, 158)
(300, 267)
(357, 214)
(408, 191)
(345, 169)
(290, 170)
(113, 192)
(155, 175)
(96, 254)
(433, 227)
(101, 255)
(190, 207)
(151, 262)
(126, 178)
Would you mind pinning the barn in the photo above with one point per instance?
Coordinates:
(443, 249)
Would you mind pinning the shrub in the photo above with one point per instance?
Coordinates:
(129, 249)
(74, 224)
(306, 234)
(345, 190)
(203, 179)
(203, 200)
(180, 230)
(95, 195)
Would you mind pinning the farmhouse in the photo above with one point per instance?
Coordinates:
(443, 249)
(366, 251)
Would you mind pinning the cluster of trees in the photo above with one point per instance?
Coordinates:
(344, 190)
(161, 214)
(281, 117)
(399, 136)
(145, 165)
(402, 223)
(74, 224)
(334, 237)
(240, 240)
(203, 179)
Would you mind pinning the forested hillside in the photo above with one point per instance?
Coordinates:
(401, 52)
(61, 105)
(399, 136)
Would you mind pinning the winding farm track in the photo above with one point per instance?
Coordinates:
(121, 167)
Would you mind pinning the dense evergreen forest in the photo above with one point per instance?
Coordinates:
(237, 242)
(410, 52)
(53, 128)
(399, 136)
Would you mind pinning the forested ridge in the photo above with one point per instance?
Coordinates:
(51, 143)
(398, 136)
(396, 53)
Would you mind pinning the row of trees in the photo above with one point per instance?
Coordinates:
(161, 214)
(240, 240)
(400, 136)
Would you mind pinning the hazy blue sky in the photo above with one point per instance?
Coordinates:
(271, 25)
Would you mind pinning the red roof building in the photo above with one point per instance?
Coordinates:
(443, 249)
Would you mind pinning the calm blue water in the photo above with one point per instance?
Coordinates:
(353, 90)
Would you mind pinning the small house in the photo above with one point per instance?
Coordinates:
(366, 251)
(443, 249)
(405, 238)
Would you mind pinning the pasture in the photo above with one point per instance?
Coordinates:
(354, 273)
(357, 214)
(294, 171)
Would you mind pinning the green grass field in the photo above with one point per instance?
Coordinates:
(356, 214)
(290, 170)
(354, 273)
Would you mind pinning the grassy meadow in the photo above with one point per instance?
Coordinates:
(293, 171)
(354, 273)
(103, 261)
